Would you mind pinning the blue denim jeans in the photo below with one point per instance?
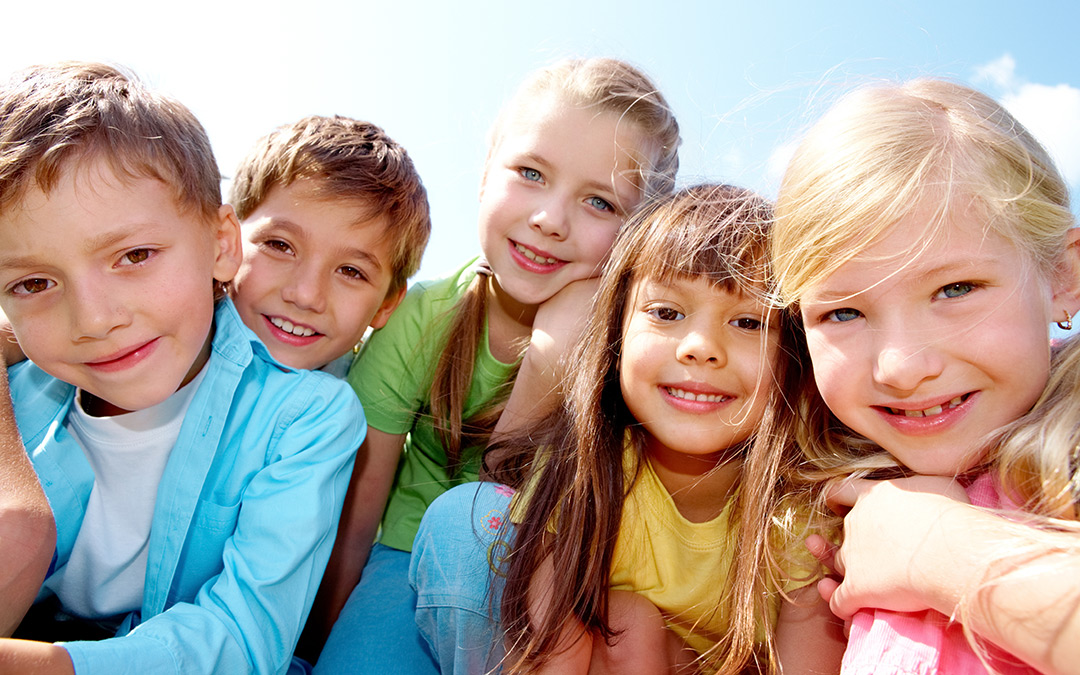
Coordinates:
(376, 630)
(457, 592)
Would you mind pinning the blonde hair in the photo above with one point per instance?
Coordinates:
(1038, 456)
(347, 159)
(609, 85)
(715, 232)
(879, 156)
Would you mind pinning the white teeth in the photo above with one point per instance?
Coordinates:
(929, 412)
(532, 256)
(290, 327)
(690, 396)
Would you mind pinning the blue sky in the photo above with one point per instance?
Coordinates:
(745, 78)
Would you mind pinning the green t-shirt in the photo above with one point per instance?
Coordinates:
(392, 376)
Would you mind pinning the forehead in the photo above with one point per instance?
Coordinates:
(923, 247)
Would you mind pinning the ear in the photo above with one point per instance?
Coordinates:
(382, 315)
(227, 244)
(1067, 284)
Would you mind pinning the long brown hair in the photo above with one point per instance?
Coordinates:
(572, 462)
(607, 85)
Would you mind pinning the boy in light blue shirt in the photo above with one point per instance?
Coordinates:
(195, 482)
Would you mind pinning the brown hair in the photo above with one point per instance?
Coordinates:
(577, 487)
(52, 115)
(349, 159)
(608, 85)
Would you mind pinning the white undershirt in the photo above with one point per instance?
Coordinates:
(107, 569)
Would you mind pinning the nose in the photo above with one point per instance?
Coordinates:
(906, 358)
(95, 312)
(701, 346)
(306, 289)
(551, 217)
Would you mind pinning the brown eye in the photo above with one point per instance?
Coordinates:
(31, 286)
(666, 313)
(137, 256)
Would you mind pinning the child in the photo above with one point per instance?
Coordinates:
(667, 458)
(570, 156)
(194, 481)
(925, 236)
(335, 221)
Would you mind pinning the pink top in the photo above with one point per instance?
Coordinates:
(922, 643)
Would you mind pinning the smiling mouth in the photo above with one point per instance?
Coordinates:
(531, 255)
(932, 411)
(691, 396)
(289, 327)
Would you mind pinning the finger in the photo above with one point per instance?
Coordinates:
(826, 587)
(841, 495)
(839, 604)
(821, 549)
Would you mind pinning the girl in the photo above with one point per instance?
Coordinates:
(573, 152)
(925, 236)
(669, 456)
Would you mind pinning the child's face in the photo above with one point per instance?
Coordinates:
(926, 355)
(556, 189)
(108, 283)
(696, 365)
(316, 274)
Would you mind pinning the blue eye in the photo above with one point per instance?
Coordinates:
(600, 204)
(531, 174)
(843, 314)
(956, 290)
(667, 314)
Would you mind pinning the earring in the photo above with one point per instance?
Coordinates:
(1067, 323)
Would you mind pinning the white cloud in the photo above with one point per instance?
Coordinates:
(1051, 113)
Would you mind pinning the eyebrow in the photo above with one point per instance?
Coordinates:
(93, 244)
(947, 268)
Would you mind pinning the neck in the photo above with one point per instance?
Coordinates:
(700, 485)
(509, 322)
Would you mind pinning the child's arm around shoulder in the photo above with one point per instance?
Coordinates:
(1022, 582)
(27, 530)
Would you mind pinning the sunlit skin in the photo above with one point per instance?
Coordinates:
(108, 283)
(316, 273)
(556, 188)
(928, 353)
(695, 370)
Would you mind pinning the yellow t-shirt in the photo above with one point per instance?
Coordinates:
(678, 565)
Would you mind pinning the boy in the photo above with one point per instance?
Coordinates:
(335, 221)
(195, 483)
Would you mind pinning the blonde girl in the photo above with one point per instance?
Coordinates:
(647, 534)
(570, 156)
(926, 238)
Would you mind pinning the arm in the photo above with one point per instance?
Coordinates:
(809, 639)
(40, 658)
(558, 326)
(369, 489)
(575, 645)
(27, 531)
(1021, 584)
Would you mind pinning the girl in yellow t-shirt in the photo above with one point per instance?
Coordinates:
(668, 457)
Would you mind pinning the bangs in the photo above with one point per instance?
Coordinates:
(719, 233)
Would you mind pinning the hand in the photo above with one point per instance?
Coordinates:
(896, 544)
